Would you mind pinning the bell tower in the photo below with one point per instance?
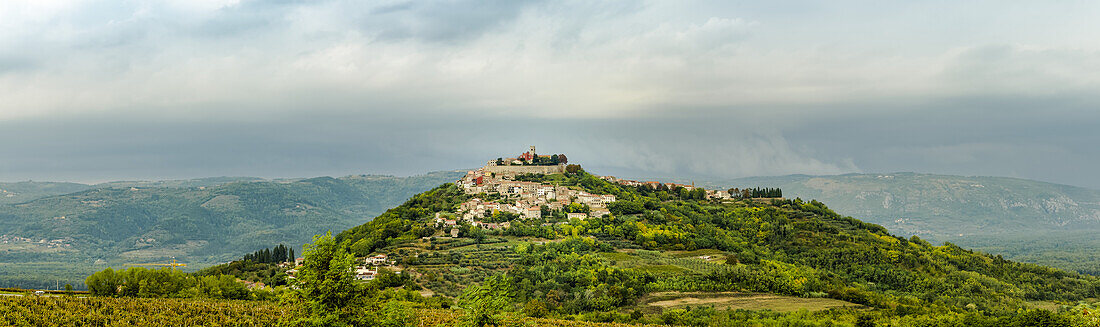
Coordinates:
(532, 150)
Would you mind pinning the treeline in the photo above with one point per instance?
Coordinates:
(268, 273)
(554, 159)
(756, 192)
(170, 283)
(281, 253)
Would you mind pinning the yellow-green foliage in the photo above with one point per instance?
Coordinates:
(102, 311)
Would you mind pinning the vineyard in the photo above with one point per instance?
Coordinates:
(442, 317)
(99, 311)
(448, 272)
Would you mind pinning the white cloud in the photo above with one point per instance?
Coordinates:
(539, 59)
(729, 66)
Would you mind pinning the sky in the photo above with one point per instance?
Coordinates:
(94, 91)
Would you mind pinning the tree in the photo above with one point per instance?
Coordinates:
(326, 286)
(103, 283)
(698, 194)
(535, 308)
(865, 321)
(562, 159)
(625, 207)
(486, 304)
(69, 289)
(573, 169)
(397, 314)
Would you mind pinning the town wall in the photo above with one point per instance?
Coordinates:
(515, 170)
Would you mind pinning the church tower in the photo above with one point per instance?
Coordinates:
(532, 150)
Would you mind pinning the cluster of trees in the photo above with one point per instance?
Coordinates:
(328, 295)
(281, 253)
(570, 277)
(554, 159)
(268, 273)
(756, 192)
(325, 292)
(663, 192)
(166, 282)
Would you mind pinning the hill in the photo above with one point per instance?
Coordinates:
(25, 191)
(660, 250)
(200, 222)
(1025, 220)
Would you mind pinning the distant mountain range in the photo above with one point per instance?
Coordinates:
(46, 227)
(1026, 220)
(942, 206)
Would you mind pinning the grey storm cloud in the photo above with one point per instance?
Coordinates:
(450, 21)
(96, 90)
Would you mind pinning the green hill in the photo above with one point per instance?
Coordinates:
(25, 191)
(661, 252)
(1024, 220)
(200, 222)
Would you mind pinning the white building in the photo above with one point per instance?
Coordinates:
(578, 215)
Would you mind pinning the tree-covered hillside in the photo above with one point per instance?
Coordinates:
(658, 244)
(25, 191)
(200, 222)
(1024, 220)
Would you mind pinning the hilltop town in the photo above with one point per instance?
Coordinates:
(504, 190)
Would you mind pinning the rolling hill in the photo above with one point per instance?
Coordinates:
(201, 222)
(1022, 219)
(669, 255)
(25, 191)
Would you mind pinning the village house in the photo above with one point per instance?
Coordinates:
(532, 213)
(578, 215)
(599, 212)
(365, 273)
(557, 205)
(717, 194)
(377, 260)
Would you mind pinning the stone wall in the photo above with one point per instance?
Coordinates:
(516, 170)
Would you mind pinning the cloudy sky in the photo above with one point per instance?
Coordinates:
(104, 90)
